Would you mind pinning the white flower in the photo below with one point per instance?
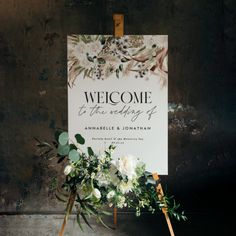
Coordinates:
(93, 175)
(126, 187)
(103, 179)
(111, 194)
(121, 202)
(96, 193)
(95, 47)
(102, 158)
(81, 50)
(127, 165)
(68, 169)
(114, 178)
(160, 41)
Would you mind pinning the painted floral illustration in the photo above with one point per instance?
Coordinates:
(101, 56)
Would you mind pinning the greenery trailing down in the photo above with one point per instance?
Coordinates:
(95, 181)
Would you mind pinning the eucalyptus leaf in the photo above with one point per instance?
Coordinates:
(63, 138)
(74, 155)
(57, 134)
(90, 151)
(79, 139)
(63, 150)
(72, 146)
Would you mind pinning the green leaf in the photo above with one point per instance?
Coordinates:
(74, 155)
(141, 49)
(101, 221)
(90, 151)
(79, 222)
(89, 58)
(63, 138)
(63, 192)
(85, 220)
(61, 159)
(150, 181)
(63, 150)
(90, 209)
(72, 146)
(124, 59)
(106, 213)
(57, 134)
(79, 139)
(59, 198)
(101, 60)
(103, 40)
(117, 73)
(85, 73)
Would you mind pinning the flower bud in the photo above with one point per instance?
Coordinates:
(68, 169)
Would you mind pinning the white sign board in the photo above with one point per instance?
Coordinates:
(117, 94)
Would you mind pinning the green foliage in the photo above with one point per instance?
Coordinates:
(90, 151)
(63, 150)
(53, 184)
(74, 155)
(101, 60)
(79, 139)
(63, 138)
(94, 181)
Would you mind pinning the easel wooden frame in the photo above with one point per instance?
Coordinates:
(119, 32)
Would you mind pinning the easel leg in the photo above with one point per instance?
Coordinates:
(169, 224)
(69, 207)
(115, 217)
(160, 194)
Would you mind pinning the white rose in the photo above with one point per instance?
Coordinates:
(126, 187)
(68, 169)
(114, 178)
(96, 193)
(111, 194)
(127, 165)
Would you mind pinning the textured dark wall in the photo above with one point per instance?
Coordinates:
(33, 89)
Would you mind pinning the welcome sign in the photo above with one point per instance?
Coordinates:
(117, 94)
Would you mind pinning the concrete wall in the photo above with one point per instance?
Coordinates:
(33, 92)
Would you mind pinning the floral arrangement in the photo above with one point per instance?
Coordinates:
(93, 182)
(101, 56)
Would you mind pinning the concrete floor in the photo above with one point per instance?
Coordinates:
(128, 225)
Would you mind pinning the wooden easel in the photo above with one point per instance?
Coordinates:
(119, 32)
